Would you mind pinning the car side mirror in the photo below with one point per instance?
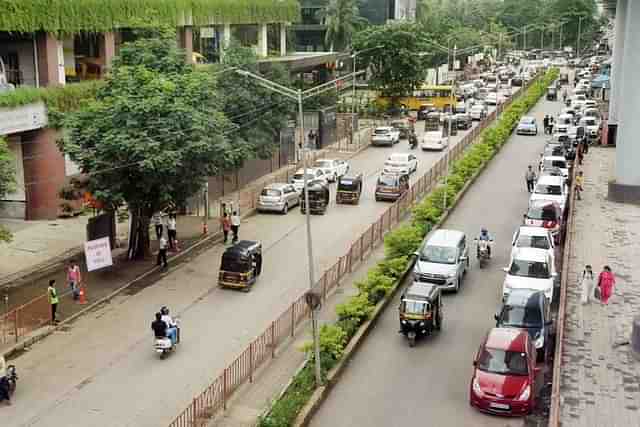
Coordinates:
(496, 316)
(416, 254)
(505, 269)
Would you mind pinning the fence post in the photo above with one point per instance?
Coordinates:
(324, 286)
(362, 248)
(372, 236)
(15, 324)
(350, 259)
(224, 389)
(273, 339)
(195, 409)
(251, 362)
(293, 318)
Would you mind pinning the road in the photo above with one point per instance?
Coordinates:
(102, 370)
(389, 384)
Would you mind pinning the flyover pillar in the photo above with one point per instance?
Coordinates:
(616, 69)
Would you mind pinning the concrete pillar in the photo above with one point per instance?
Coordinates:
(185, 41)
(50, 60)
(626, 187)
(107, 49)
(283, 39)
(263, 45)
(617, 65)
(225, 37)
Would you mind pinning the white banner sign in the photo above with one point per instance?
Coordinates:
(22, 119)
(98, 254)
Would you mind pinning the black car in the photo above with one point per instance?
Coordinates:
(529, 310)
(516, 82)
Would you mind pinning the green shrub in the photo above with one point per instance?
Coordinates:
(376, 286)
(403, 241)
(357, 307)
(393, 268)
(333, 340)
(426, 214)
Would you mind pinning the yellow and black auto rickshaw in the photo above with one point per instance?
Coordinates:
(319, 196)
(420, 311)
(241, 265)
(349, 189)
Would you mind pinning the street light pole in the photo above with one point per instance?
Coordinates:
(353, 96)
(450, 121)
(579, 36)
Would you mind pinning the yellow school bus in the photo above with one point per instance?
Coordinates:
(440, 96)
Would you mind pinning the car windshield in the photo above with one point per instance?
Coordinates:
(414, 307)
(538, 242)
(589, 122)
(388, 180)
(521, 317)
(503, 362)
(381, 131)
(271, 192)
(553, 190)
(300, 176)
(397, 159)
(347, 184)
(439, 254)
(526, 121)
(323, 163)
(555, 164)
(533, 269)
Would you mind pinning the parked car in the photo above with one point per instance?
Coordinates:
(313, 175)
(530, 269)
(278, 197)
(492, 98)
(529, 311)
(517, 82)
(563, 122)
(527, 126)
(591, 125)
(547, 214)
(533, 237)
(401, 163)
(559, 162)
(504, 373)
(443, 259)
(385, 135)
(463, 121)
(478, 112)
(551, 188)
(434, 140)
(333, 168)
(391, 186)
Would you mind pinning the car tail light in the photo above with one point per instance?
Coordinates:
(549, 224)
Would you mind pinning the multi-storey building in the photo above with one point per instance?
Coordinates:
(75, 41)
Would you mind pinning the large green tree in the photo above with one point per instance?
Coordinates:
(342, 19)
(153, 135)
(397, 57)
(7, 180)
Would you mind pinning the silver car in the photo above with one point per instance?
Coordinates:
(278, 198)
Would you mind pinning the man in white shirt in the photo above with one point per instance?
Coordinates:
(162, 252)
(172, 326)
(235, 226)
(171, 231)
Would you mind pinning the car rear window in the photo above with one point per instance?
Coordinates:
(388, 180)
(542, 213)
(521, 317)
(270, 192)
(538, 242)
(552, 190)
(381, 131)
(533, 269)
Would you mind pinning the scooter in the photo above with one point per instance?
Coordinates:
(12, 378)
(483, 251)
(164, 346)
(413, 141)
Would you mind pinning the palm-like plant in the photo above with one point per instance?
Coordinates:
(342, 18)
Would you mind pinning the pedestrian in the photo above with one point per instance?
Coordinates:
(580, 151)
(226, 226)
(312, 139)
(4, 381)
(158, 222)
(579, 186)
(551, 122)
(530, 177)
(587, 285)
(162, 252)
(171, 231)
(73, 278)
(606, 282)
(52, 294)
(235, 226)
(545, 123)
(585, 147)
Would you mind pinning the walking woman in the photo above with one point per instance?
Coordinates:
(606, 282)
(587, 285)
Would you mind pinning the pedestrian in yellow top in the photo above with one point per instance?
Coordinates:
(52, 293)
(579, 185)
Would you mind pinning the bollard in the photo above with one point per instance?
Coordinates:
(635, 338)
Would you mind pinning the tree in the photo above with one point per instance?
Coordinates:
(342, 18)
(395, 60)
(572, 11)
(7, 180)
(153, 135)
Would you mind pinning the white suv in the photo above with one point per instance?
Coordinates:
(333, 168)
(530, 269)
(313, 175)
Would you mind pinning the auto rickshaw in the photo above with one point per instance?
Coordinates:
(420, 311)
(405, 126)
(552, 93)
(432, 121)
(349, 189)
(319, 195)
(241, 265)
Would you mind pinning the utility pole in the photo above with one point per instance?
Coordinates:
(499, 46)
(541, 38)
(579, 36)
(525, 39)
(450, 122)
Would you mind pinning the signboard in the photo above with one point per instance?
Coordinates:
(22, 119)
(98, 254)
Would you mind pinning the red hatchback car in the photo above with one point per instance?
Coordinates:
(504, 375)
(547, 214)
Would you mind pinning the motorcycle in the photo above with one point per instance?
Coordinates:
(12, 379)
(413, 141)
(483, 251)
(164, 346)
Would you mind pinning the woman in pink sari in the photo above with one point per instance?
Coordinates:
(606, 281)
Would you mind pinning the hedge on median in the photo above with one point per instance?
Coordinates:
(399, 244)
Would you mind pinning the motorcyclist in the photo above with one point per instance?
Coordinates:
(4, 381)
(484, 236)
(172, 326)
(159, 326)
(413, 139)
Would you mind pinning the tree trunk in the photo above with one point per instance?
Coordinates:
(139, 241)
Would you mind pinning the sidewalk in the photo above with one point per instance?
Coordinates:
(600, 379)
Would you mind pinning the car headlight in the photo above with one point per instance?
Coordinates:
(525, 393)
(451, 275)
(421, 324)
(476, 387)
(539, 340)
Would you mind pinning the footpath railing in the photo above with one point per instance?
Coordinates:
(216, 396)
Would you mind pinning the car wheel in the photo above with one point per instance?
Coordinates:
(285, 209)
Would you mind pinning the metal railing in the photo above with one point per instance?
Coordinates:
(242, 369)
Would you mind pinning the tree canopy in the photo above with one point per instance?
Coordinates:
(342, 18)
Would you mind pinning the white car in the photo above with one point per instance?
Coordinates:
(478, 112)
(533, 237)
(434, 140)
(559, 162)
(563, 123)
(401, 164)
(333, 168)
(313, 175)
(492, 98)
(551, 188)
(385, 135)
(591, 126)
(530, 268)
(527, 126)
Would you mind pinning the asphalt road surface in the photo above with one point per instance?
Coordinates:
(389, 384)
(103, 371)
